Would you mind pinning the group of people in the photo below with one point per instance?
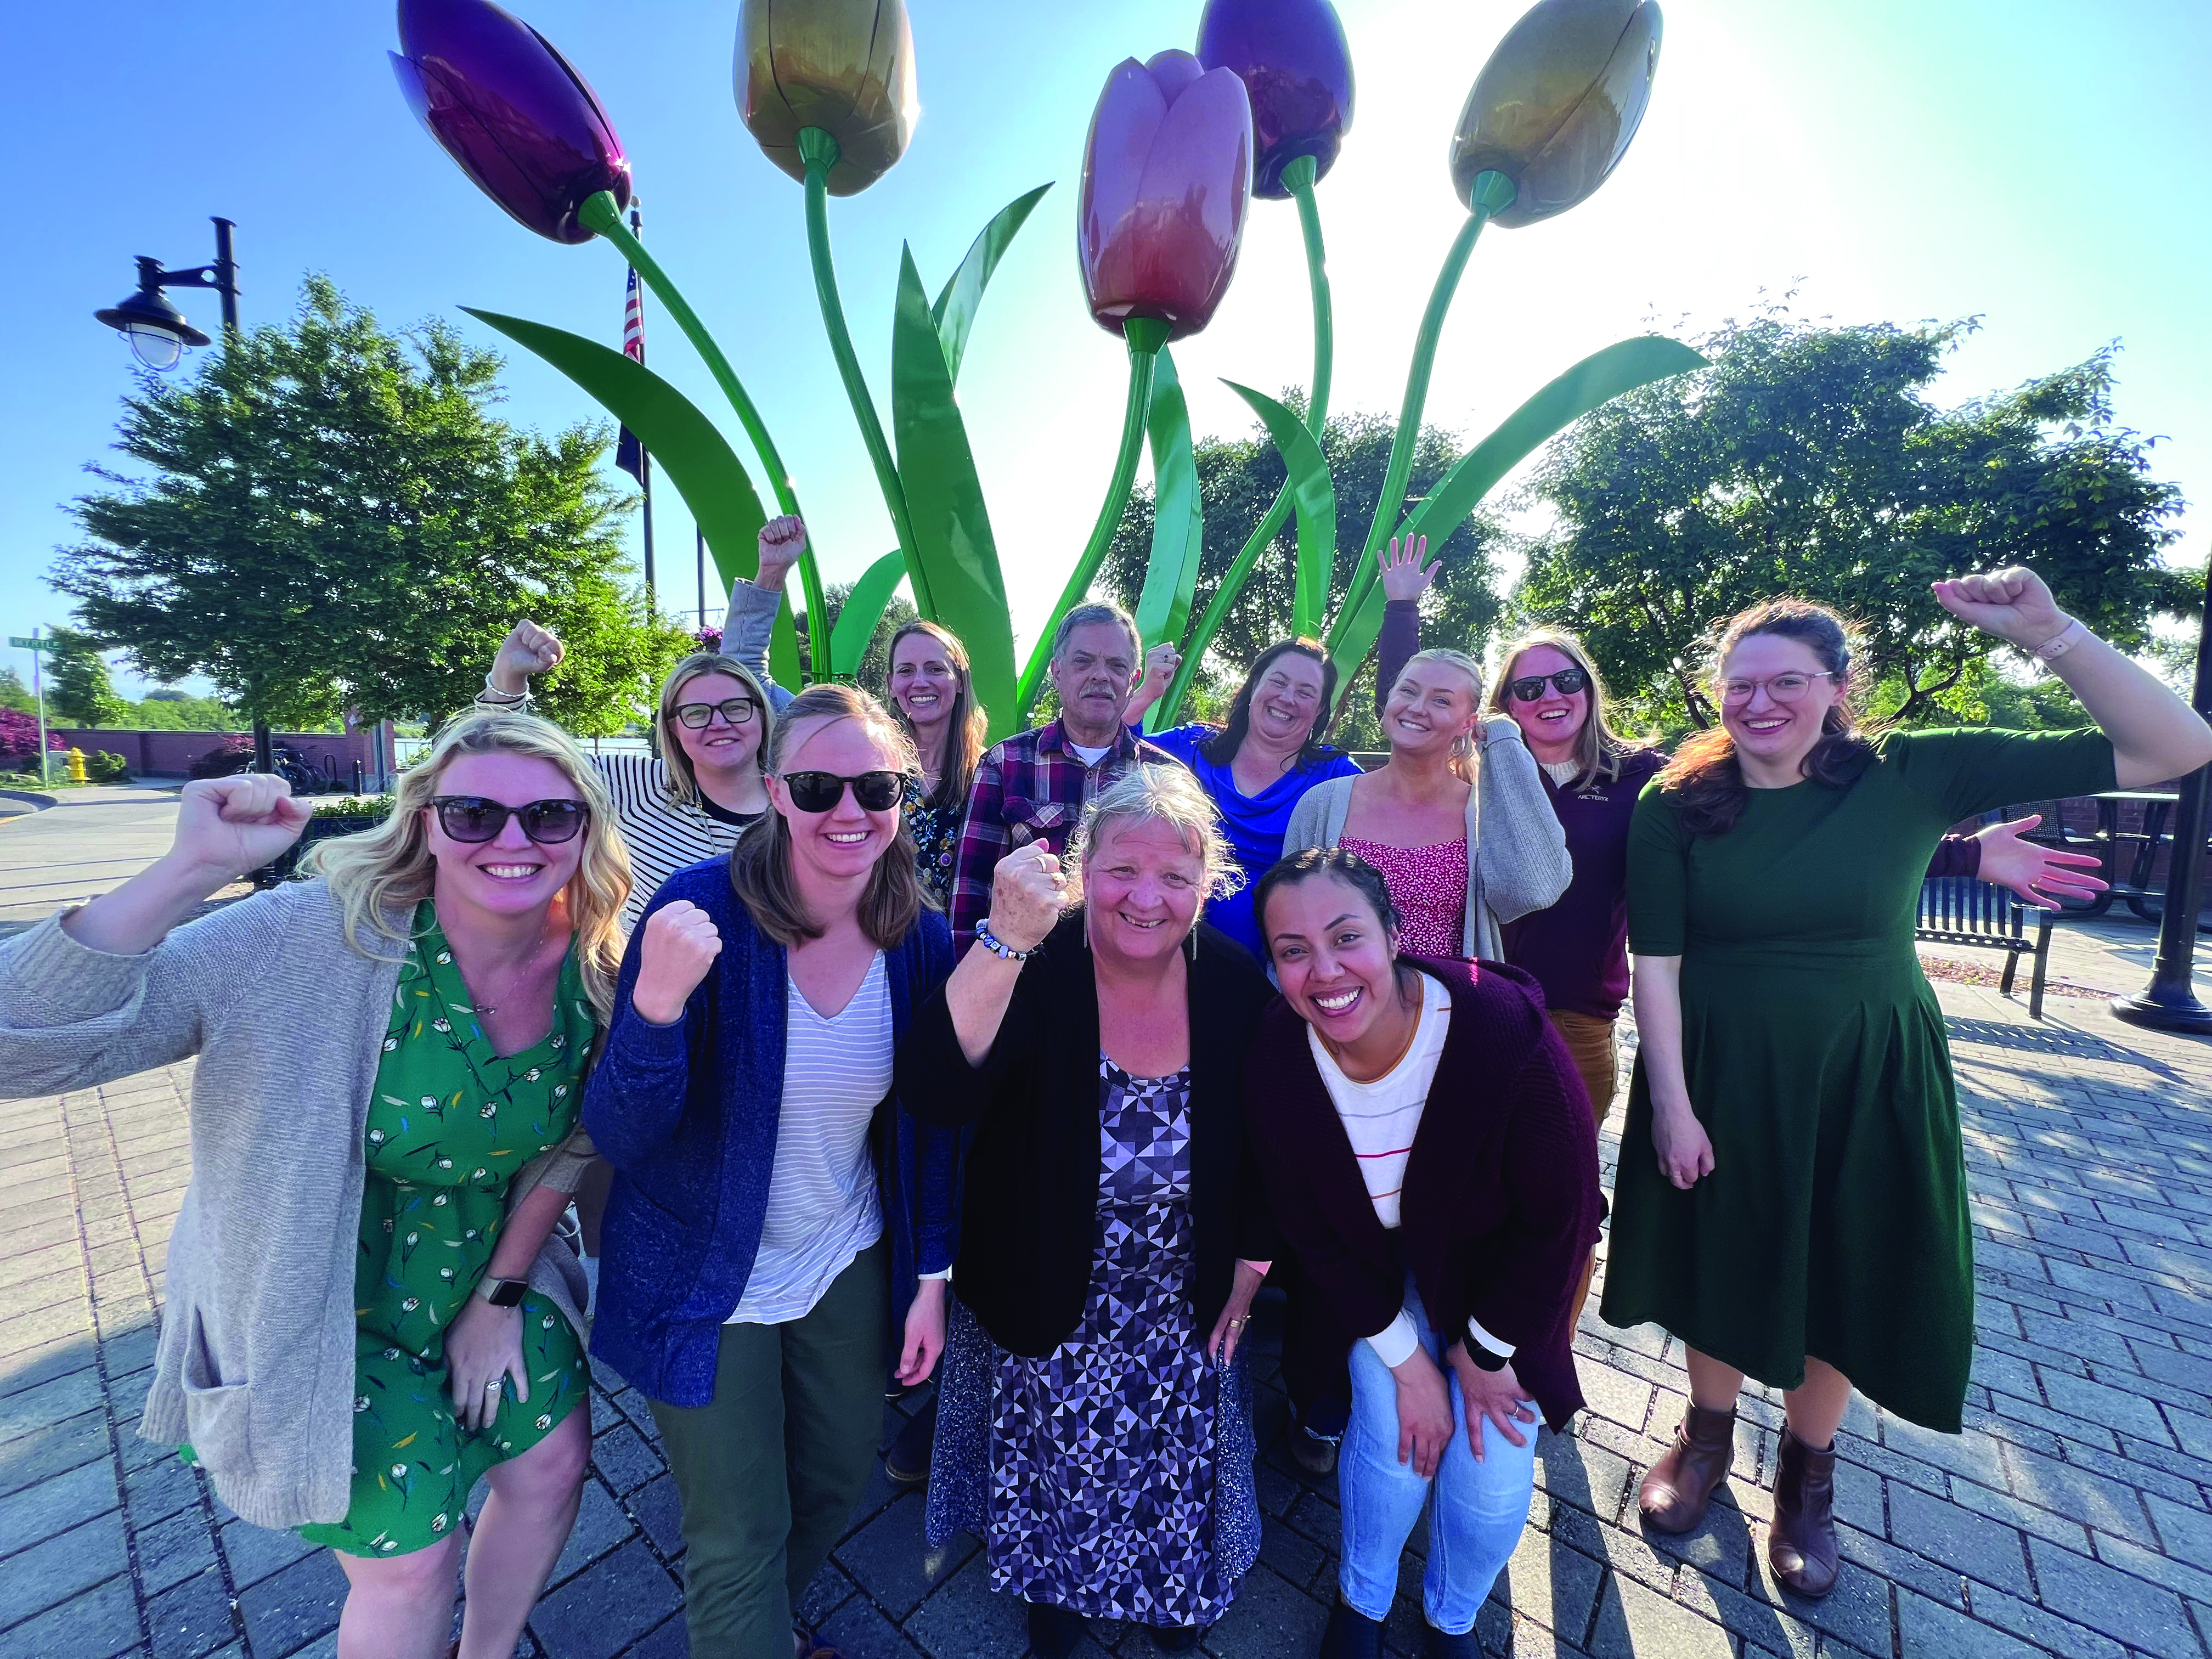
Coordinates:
(867, 1054)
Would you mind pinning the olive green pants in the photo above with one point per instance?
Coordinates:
(770, 1470)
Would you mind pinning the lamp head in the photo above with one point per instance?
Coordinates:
(157, 330)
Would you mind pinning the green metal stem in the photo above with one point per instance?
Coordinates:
(601, 213)
(1299, 176)
(819, 151)
(1146, 336)
(1493, 192)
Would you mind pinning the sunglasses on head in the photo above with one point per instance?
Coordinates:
(820, 792)
(1531, 687)
(738, 711)
(474, 818)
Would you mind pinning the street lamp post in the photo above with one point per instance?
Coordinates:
(158, 334)
(2169, 1002)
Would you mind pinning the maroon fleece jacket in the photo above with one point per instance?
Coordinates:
(1501, 1201)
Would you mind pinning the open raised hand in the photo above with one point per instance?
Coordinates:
(1406, 574)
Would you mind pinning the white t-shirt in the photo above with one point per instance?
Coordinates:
(1381, 1120)
(1090, 756)
(821, 1205)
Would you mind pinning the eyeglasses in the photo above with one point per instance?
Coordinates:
(820, 792)
(738, 711)
(1782, 688)
(475, 819)
(1530, 687)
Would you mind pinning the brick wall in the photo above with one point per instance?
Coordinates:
(171, 754)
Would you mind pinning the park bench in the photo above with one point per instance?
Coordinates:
(1959, 910)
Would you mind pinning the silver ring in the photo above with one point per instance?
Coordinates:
(492, 1387)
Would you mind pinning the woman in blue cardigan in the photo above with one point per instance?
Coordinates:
(773, 1210)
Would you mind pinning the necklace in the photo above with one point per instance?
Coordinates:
(514, 982)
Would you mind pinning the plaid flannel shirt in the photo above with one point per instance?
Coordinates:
(1031, 787)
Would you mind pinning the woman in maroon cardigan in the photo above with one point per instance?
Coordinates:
(1427, 1146)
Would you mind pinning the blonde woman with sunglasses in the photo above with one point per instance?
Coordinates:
(363, 1315)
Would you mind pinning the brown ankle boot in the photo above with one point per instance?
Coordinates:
(1801, 1548)
(1681, 1483)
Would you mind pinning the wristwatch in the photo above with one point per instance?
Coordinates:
(503, 1292)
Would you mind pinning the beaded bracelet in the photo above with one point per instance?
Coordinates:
(997, 947)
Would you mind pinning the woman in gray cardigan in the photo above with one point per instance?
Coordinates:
(363, 1317)
(1458, 822)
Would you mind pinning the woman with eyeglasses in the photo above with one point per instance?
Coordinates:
(712, 725)
(1791, 1198)
(775, 1215)
(363, 1316)
(1577, 948)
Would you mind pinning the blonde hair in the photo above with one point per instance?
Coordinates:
(760, 865)
(380, 876)
(675, 759)
(1160, 795)
(1463, 749)
(1598, 747)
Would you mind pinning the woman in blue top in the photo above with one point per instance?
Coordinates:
(1258, 766)
(776, 1217)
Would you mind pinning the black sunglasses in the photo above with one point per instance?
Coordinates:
(1530, 687)
(475, 819)
(738, 711)
(820, 792)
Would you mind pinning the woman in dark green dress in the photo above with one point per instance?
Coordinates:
(1791, 1200)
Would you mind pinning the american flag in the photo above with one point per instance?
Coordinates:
(629, 453)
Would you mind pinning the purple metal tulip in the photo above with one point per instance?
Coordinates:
(506, 106)
(1292, 59)
(1166, 176)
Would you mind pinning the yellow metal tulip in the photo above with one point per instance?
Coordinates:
(844, 67)
(1555, 107)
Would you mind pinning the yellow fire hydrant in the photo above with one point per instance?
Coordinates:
(76, 767)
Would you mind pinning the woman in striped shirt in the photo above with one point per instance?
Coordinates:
(712, 725)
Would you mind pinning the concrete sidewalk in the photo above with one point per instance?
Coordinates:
(89, 840)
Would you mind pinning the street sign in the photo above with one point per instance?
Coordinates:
(32, 644)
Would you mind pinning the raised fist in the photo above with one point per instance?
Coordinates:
(781, 541)
(527, 649)
(2014, 605)
(679, 946)
(228, 826)
(1028, 893)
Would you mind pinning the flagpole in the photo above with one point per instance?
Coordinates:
(645, 483)
(634, 342)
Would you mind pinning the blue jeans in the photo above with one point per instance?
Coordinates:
(1481, 1508)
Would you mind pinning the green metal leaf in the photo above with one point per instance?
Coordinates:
(1598, 379)
(944, 497)
(1314, 494)
(863, 610)
(954, 313)
(696, 456)
(1178, 516)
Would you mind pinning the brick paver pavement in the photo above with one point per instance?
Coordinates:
(2070, 1518)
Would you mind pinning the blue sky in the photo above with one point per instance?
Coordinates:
(2038, 164)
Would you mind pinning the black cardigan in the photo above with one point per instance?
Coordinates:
(1029, 1222)
(1501, 1201)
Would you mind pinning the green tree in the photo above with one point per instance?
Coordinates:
(178, 711)
(1810, 460)
(14, 695)
(335, 521)
(78, 690)
(1237, 480)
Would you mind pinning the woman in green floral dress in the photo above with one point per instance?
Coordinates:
(390, 1066)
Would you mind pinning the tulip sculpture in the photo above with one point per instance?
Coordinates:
(1166, 175)
(1550, 116)
(1177, 146)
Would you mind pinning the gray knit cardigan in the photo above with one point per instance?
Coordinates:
(1517, 853)
(255, 1363)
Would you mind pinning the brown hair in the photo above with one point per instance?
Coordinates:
(760, 865)
(1598, 747)
(1221, 748)
(963, 736)
(1704, 781)
(675, 759)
